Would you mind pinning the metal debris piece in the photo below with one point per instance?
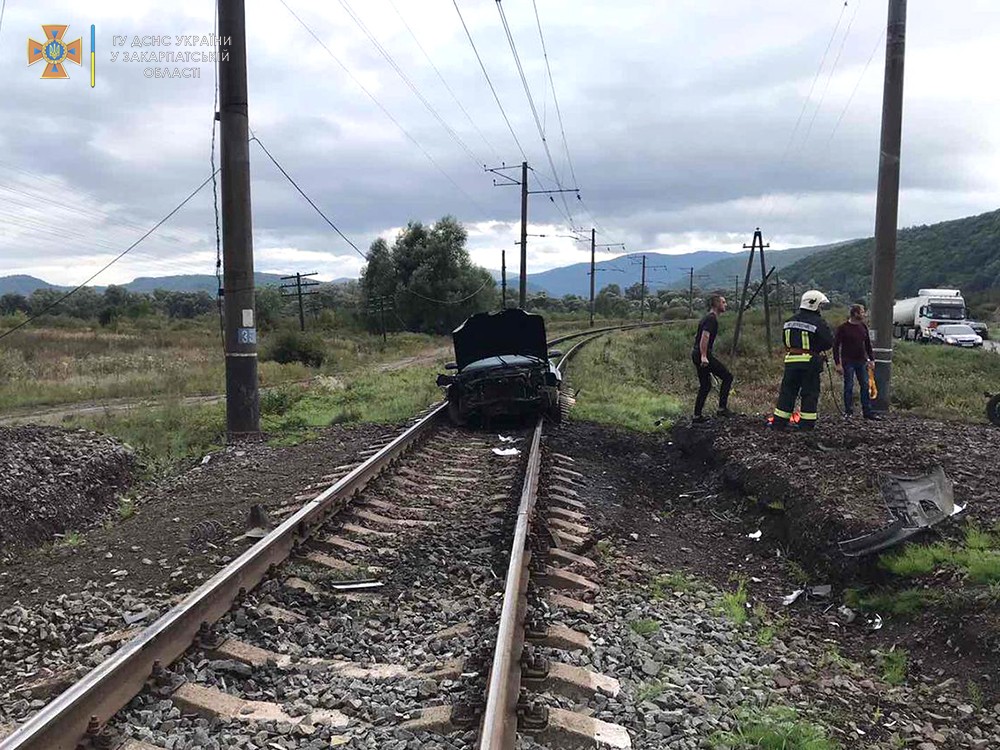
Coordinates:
(821, 592)
(505, 439)
(847, 614)
(875, 622)
(792, 597)
(206, 531)
(914, 504)
(354, 585)
(507, 451)
(756, 535)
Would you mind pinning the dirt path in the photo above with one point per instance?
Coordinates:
(59, 413)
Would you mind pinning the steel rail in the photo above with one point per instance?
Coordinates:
(88, 704)
(499, 728)
(500, 717)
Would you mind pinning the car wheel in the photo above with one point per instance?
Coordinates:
(993, 410)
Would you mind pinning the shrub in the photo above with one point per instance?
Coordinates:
(294, 346)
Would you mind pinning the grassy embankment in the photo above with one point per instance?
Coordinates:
(167, 363)
(633, 379)
(156, 358)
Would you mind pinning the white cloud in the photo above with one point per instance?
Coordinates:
(679, 118)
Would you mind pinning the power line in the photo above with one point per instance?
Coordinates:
(531, 103)
(833, 69)
(487, 76)
(110, 263)
(555, 99)
(448, 301)
(309, 200)
(441, 77)
(857, 85)
(385, 111)
(406, 79)
(3, 7)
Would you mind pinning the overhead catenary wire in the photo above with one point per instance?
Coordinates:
(531, 105)
(3, 8)
(409, 83)
(486, 75)
(382, 107)
(108, 265)
(857, 85)
(489, 145)
(552, 87)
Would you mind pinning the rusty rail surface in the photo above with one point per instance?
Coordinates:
(87, 705)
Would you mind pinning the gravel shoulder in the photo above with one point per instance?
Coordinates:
(673, 540)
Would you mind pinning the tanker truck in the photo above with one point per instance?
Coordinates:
(916, 317)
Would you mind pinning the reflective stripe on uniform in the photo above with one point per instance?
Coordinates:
(800, 326)
(782, 414)
(798, 358)
(809, 416)
(805, 340)
(788, 338)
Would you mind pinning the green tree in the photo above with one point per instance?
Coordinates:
(430, 276)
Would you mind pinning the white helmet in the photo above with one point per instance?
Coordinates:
(812, 299)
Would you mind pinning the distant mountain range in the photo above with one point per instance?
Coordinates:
(962, 254)
(22, 284)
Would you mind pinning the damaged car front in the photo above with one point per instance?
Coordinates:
(502, 369)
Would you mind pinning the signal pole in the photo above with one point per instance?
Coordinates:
(523, 183)
(887, 202)
(242, 397)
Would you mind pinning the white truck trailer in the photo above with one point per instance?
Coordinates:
(914, 318)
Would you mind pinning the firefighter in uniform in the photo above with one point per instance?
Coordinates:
(807, 336)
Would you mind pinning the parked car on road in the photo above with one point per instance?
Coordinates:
(502, 369)
(979, 327)
(956, 334)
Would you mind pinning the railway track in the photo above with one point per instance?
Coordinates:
(416, 600)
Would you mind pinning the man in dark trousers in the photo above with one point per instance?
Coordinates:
(707, 365)
(807, 336)
(853, 356)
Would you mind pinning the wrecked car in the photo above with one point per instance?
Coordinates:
(502, 369)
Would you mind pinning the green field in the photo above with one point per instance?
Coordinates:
(633, 379)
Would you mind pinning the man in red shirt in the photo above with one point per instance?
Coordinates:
(852, 353)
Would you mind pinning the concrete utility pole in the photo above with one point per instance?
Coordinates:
(242, 398)
(887, 203)
(642, 292)
(691, 292)
(523, 292)
(503, 279)
(593, 271)
(506, 180)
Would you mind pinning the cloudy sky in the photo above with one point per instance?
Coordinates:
(688, 123)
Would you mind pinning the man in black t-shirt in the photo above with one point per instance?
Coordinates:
(707, 365)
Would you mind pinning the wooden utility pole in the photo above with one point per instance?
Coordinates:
(759, 239)
(642, 292)
(522, 296)
(503, 279)
(242, 397)
(300, 282)
(593, 271)
(887, 202)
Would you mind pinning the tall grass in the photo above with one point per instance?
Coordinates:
(631, 379)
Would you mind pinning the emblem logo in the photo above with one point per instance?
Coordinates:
(54, 51)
